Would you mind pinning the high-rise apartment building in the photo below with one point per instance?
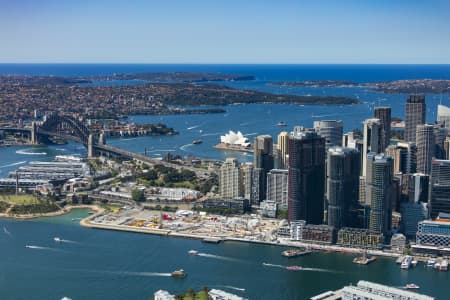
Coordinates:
(306, 176)
(404, 156)
(277, 187)
(263, 162)
(425, 147)
(383, 113)
(247, 180)
(372, 140)
(439, 200)
(443, 115)
(230, 183)
(379, 193)
(282, 146)
(440, 134)
(331, 131)
(414, 115)
(343, 166)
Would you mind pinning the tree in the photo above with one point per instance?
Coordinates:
(191, 293)
(138, 195)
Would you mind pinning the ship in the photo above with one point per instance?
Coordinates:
(431, 262)
(295, 252)
(406, 263)
(411, 286)
(196, 142)
(57, 239)
(444, 265)
(281, 124)
(364, 260)
(294, 268)
(193, 252)
(178, 273)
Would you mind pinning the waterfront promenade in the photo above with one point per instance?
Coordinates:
(223, 237)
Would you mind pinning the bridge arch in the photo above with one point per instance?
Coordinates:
(78, 129)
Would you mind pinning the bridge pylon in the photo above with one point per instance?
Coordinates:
(90, 146)
(34, 135)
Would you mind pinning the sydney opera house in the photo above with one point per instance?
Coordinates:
(234, 141)
(235, 138)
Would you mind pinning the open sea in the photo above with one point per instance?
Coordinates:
(98, 264)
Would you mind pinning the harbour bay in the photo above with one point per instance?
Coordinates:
(105, 264)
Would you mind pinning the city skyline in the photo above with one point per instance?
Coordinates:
(290, 32)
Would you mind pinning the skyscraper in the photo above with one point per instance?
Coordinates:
(443, 115)
(230, 183)
(331, 131)
(282, 145)
(372, 140)
(277, 187)
(439, 200)
(306, 176)
(383, 113)
(404, 156)
(247, 180)
(414, 115)
(343, 166)
(379, 193)
(263, 163)
(425, 147)
(440, 133)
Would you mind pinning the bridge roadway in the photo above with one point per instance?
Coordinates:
(201, 173)
(152, 161)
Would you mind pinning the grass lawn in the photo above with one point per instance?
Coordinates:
(112, 208)
(20, 199)
(198, 296)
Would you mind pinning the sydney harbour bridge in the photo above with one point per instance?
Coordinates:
(69, 128)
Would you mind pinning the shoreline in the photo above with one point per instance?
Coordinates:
(67, 209)
(86, 222)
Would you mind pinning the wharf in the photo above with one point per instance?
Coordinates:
(224, 146)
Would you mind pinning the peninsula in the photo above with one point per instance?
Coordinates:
(22, 96)
(430, 86)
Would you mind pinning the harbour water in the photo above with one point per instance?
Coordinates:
(101, 264)
(116, 265)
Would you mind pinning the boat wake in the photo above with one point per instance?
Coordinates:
(219, 257)
(210, 134)
(232, 287)
(249, 134)
(273, 265)
(193, 127)
(13, 164)
(302, 268)
(162, 150)
(185, 146)
(146, 274)
(6, 231)
(27, 152)
(40, 248)
(67, 241)
(318, 270)
(129, 139)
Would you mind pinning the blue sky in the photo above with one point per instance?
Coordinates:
(216, 31)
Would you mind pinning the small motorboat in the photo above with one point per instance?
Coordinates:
(411, 286)
(193, 252)
(196, 142)
(178, 273)
(57, 239)
(281, 124)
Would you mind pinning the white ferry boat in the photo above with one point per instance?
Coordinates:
(431, 262)
(406, 263)
(444, 265)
